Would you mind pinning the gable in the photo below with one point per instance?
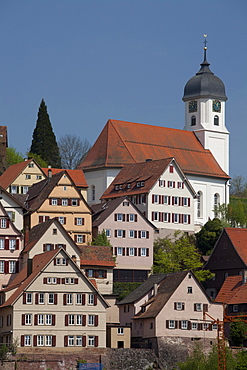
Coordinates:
(122, 143)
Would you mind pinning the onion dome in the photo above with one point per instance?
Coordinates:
(204, 84)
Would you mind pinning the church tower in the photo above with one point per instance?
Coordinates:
(205, 97)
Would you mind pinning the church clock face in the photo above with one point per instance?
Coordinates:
(216, 106)
(192, 106)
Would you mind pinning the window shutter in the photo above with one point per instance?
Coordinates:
(199, 326)
(169, 217)
(66, 341)
(210, 327)
(188, 219)
(47, 218)
(6, 244)
(54, 261)
(147, 252)
(95, 300)
(115, 233)
(84, 320)
(24, 298)
(173, 201)
(179, 324)
(135, 251)
(83, 299)
(167, 324)
(183, 306)
(123, 217)
(54, 341)
(123, 233)
(115, 251)
(139, 233)
(36, 298)
(6, 267)
(189, 325)
(35, 319)
(64, 220)
(188, 202)
(160, 199)
(44, 247)
(96, 273)
(64, 299)
(63, 280)
(76, 280)
(172, 217)
(153, 198)
(23, 319)
(83, 238)
(50, 201)
(194, 306)
(67, 261)
(175, 305)
(160, 216)
(96, 320)
(205, 307)
(115, 217)
(96, 341)
(180, 201)
(135, 218)
(127, 217)
(127, 251)
(52, 247)
(40, 219)
(59, 202)
(169, 200)
(75, 238)
(105, 274)
(58, 280)
(84, 341)
(174, 185)
(147, 234)
(22, 340)
(55, 298)
(152, 216)
(17, 266)
(45, 281)
(7, 223)
(66, 320)
(17, 244)
(180, 218)
(139, 252)
(35, 340)
(176, 324)
(135, 234)
(123, 251)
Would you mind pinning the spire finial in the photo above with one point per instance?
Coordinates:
(205, 45)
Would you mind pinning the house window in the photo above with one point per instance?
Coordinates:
(143, 252)
(70, 340)
(131, 251)
(235, 308)
(27, 340)
(28, 319)
(216, 120)
(79, 221)
(29, 297)
(78, 340)
(3, 223)
(171, 184)
(119, 251)
(119, 217)
(193, 121)
(108, 233)
(171, 324)
(12, 267)
(143, 199)
(64, 202)
(1, 243)
(25, 189)
(155, 199)
(91, 340)
(28, 177)
(131, 217)
(40, 319)
(64, 188)
(199, 204)
(125, 203)
(51, 299)
(71, 319)
(48, 319)
(166, 217)
(179, 306)
(128, 186)
(90, 273)
(155, 216)
(1, 267)
(79, 298)
(79, 238)
(93, 192)
(120, 331)
(185, 219)
(90, 299)
(166, 199)
(131, 233)
(30, 165)
(194, 325)
(162, 183)
(185, 202)
(74, 202)
(69, 298)
(175, 218)
(13, 189)
(180, 185)
(41, 298)
(143, 234)
(171, 168)
(216, 203)
(205, 326)
(54, 202)
(40, 340)
(176, 201)
(12, 244)
(138, 184)
(38, 177)
(189, 290)
(198, 307)
(91, 320)
(119, 233)
(184, 324)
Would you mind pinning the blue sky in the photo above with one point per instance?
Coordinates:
(92, 60)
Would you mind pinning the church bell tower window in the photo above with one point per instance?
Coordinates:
(216, 120)
(193, 121)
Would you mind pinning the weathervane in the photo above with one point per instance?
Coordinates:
(205, 41)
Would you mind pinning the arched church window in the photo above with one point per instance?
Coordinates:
(216, 120)
(216, 203)
(199, 204)
(193, 120)
(93, 192)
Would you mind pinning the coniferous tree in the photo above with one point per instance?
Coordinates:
(44, 141)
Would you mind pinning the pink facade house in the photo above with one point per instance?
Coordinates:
(11, 241)
(131, 236)
(172, 310)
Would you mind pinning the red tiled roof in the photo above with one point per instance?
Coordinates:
(96, 255)
(93, 281)
(12, 173)
(238, 238)
(76, 175)
(122, 143)
(229, 288)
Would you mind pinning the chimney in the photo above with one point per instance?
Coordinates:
(49, 172)
(29, 266)
(26, 236)
(155, 289)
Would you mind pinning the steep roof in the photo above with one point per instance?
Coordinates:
(13, 172)
(122, 143)
(13, 197)
(165, 290)
(143, 289)
(229, 288)
(238, 238)
(103, 210)
(97, 256)
(146, 172)
(76, 175)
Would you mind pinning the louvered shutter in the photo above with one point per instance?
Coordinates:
(123, 217)
(147, 252)
(84, 320)
(96, 320)
(55, 298)
(22, 340)
(24, 298)
(123, 233)
(115, 233)
(123, 251)
(66, 341)
(83, 299)
(96, 341)
(40, 219)
(64, 299)
(127, 217)
(205, 307)
(115, 251)
(188, 202)
(115, 217)
(54, 341)
(84, 341)
(35, 340)
(147, 234)
(66, 320)
(58, 280)
(35, 319)
(135, 218)
(167, 324)
(95, 300)
(127, 251)
(17, 267)
(23, 319)
(76, 280)
(135, 251)
(139, 252)
(45, 280)
(36, 298)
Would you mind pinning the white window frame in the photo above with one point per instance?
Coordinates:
(79, 238)
(131, 217)
(69, 298)
(175, 218)
(143, 252)
(143, 234)
(2, 243)
(176, 201)
(171, 324)
(156, 199)
(28, 319)
(40, 340)
(12, 244)
(54, 201)
(78, 319)
(194, 326)
(48, 319)
(156, 216)
(71, 340)
(74, 202)
(165, 217)
(91, 320)
(71, 319)
(79, 298)
(27, 340)
(119, 217)
(90, 301)
(79, 221)
(1, 267)
(48, 340)
(186, 219)
(78, 340)
(120, 331)
(41, 319)
(131, 251)
(91, 340)
(41, 298)
(108, 233)
(64, 201)
(61, 220)
(179, 306)
(198, 307)
(29, 298)
(51, 298)
(119, 233)
(184, 324)
(3, 223)
(119, 251)
(186, 202)
(131, 233)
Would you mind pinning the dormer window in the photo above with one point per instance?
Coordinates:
(193, 121)
(216, 120)
(116, 187)
(138, 184)
(142, 183)
(120, 187)
(128, 186)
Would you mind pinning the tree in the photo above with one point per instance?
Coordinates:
(238, 333)
(208, 236)
(179, 254)
(72, 150)
(44, 141)
(233, 214)
(101, 240)
(238, 187)
(13, 156)
(38, 159)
